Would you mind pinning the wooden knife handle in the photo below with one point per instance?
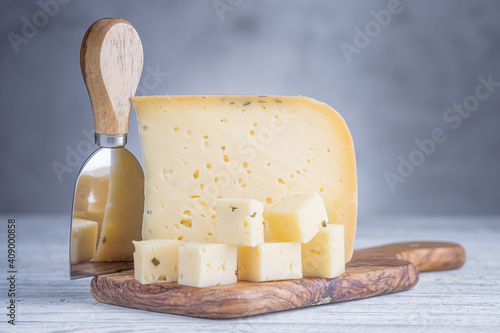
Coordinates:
(427, 256)
(111, 59)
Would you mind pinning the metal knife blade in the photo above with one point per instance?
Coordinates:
(109, 191)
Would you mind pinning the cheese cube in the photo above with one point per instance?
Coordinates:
(91, 215)
(253, 147)
(297, 217)
(240, 222)
(324, 255)
(83, 240)
(156, 260)
(207, 264)
(269, 261)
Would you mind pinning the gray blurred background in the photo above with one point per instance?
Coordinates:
(393, 83)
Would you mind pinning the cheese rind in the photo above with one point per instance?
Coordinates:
(123, 214)
(240, 222)
(83, 240)
(324, 255)
(198, 148)
(156, 260)
(297, 217)
(207, 264)
(269, 261)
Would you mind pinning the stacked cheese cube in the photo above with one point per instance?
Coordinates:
(304, 245)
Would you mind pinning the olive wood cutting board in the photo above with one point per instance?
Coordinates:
(372, 272)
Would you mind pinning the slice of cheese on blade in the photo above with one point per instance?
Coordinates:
(199, 148)
(124, 208)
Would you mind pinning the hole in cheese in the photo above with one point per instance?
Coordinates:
(188, 223)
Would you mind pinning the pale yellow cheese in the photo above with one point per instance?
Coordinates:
(83, 240)
(91, 196)
(123, 215)
(198, 148)
(82, 192)
(100, 187)
(96, 215)
(156, 260)
(269, 261)
(207, 264)
(324, 255)
(297, 217)
(240, 221)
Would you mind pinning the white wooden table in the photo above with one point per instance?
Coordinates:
(464, 300)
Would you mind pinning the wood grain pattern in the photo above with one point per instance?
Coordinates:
(427, 256)
(111, 59)
(371, 272)
(93, 268)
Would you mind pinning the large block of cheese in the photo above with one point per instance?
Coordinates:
(207, 264)
(83, 240)
(240, 222)
(297, 217)
(269, 261)
(156, 260)
(123, 214)
(324, 255)
(198, 148)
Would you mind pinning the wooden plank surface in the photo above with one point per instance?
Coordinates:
(463, 300)
(371, 272)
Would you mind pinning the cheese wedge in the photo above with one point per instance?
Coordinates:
(198, 148)
(123, 215)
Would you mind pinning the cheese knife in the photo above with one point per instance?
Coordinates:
(109, 190)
